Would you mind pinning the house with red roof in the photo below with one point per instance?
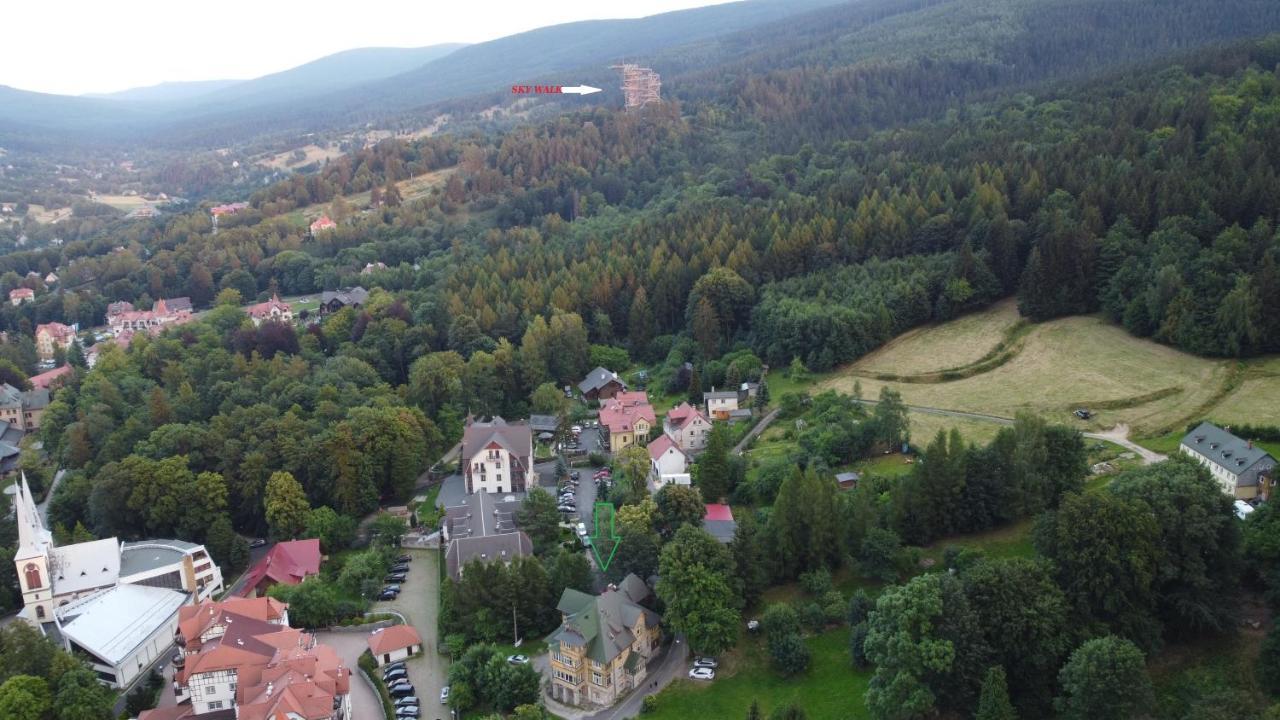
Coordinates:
(240, 659)
(288, 563)
(273, 310)
(50, 336)
(322, 223)
(123, 318)
(688, 427)
(17, 296)
(628, 417)
(668, 464)
(395, 643)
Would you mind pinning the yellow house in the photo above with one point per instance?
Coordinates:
(603, 645)
(628, 417)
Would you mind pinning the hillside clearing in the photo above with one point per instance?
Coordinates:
(935, 348)
(1063, 364)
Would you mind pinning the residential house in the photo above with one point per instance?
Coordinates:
(720, 403)
(94, 351)
(688, 427)
(373, 267)
(497, 456)
(544, 424)
(668, 463)
(322, 223)
(331, 301)
(1243, 470)
(719, 523)
(240, 659)
(123, 318)
(17, 296)
(273, 310)
(50, 336)
(603, 645)
(288, 563)
(23, 409)
(601, 384)
(626, 419)
(394, 643)
(179, 304)
(50, 279)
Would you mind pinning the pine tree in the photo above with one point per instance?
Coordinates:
(753, 713)
(994, 702)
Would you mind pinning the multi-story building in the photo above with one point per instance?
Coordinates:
(240, 659)
(122, 318)
(626, 419)
(23, 409)
(497, 456)
(603, 645)
(688, 427)
(273, 310)
(1243, 470)
(668, 464)
(17, 296)
(50, 336)
(720, 403)
(115, 603)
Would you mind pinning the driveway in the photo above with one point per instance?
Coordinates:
(419, 604)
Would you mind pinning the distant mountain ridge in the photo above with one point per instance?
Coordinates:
(166, 91)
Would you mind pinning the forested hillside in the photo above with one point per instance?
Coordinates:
(807, 198)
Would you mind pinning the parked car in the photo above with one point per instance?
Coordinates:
(576, 429)
(399, 665)
(1243, 509)
(410, 700)
(408, 711)
(575, 475)
(400, 689)
(581, 529)
(1083, 414)
(702, 673)
(444, 695)
(394, 578)
(706, 662)
(393, 588)
(399, 568)
(518, 659)
(404, 559)
(257, 543)
(395, 675)
(388, 595)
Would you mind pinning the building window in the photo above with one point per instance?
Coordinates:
(215, 705)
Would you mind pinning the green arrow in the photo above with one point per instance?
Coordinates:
(602, 514)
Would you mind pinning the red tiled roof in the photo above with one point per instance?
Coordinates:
(719, 512)
(45, 379)
(660, 446)
(264, 309)
(56, 329)
(683, 414)
(620, 412)
(288, 563)
(396, 637)
(22, 292)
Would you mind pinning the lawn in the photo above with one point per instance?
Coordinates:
(891, 465)
(1010, 541)
(1063, 364)
(829, 690)
(934, 348)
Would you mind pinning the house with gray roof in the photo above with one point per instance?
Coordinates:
(1243, 470)
(497, 456)
(601, 384)
(331, 301)
(604, 644)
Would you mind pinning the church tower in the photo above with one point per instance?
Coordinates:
(32, 558)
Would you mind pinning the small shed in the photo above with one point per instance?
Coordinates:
(848, 480)
(395, 643)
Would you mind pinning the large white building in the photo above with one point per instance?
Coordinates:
(1243, 470)
(497, 456)
(117, 603)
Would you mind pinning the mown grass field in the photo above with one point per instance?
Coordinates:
(830, 690)
(1060, 365)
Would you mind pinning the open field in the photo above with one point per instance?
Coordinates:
(410, 189)
(123, 202)
(47, 216)
(935, 348)
(829, 690)
(314, 153)
(1060, 365)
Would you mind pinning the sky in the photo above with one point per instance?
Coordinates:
(73, 47)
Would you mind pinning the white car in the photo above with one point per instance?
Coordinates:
(706, 662)
(518, 659)
(581, 529)
(701, 673)
(1243, 509)
(444, 695)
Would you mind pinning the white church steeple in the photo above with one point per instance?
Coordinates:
(33, 539)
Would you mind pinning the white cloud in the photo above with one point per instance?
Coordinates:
(95, 46)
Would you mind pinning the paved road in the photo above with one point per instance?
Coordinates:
(671, 666)
(759, 428)
(1118, 434)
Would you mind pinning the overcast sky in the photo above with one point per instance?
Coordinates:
(83, 46)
